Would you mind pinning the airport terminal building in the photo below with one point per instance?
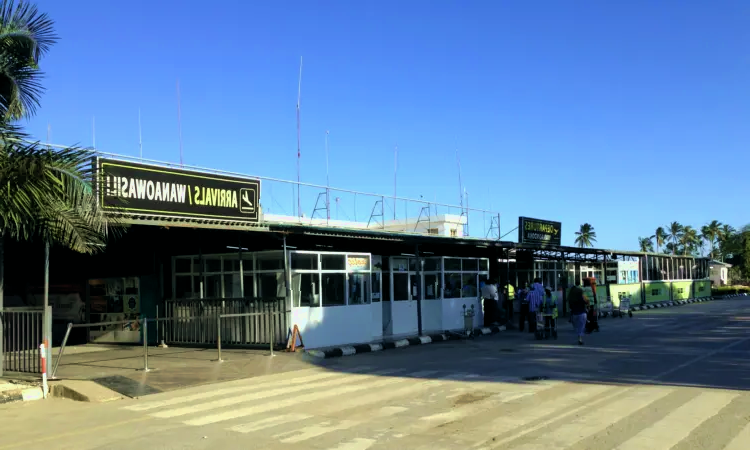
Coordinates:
(198, 243)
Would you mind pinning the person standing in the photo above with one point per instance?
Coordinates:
(523, 314)
(577, 303)
(490, 303)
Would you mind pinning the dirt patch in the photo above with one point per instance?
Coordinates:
(466, 399)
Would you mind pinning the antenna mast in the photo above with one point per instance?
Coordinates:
(179, 118)
(299, 95)
(328, 184)
(460, 184)
(140, 135)
(395, 177)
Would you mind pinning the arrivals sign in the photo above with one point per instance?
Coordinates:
(134, 188)
(540, 232)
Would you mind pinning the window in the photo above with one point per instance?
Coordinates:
(305, 286)
(183, 286)
(469, 265)
(431, 286)
(432, 231)
(452, 265)
(655, 292)
(270, 261)
(359, 291)
(271, 285)
(183, 265)
(375, 280)
(484, 265)
(454, 232)
(333, 288)
(680, 290)
(452, 283)
(400, 286)
(304, 261)
(432, 264)
(701, 287)
(469, 285)
(333, 262)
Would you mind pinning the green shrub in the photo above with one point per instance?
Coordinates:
(729, 290)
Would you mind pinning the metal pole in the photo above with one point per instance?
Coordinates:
(419, 291)
(218, 337)
(145, 345)
(62, 349)
(47, 322)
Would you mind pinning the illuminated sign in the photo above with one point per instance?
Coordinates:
(133, 188)
(355, 263)
(539, 232)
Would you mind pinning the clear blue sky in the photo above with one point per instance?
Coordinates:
(624, 114)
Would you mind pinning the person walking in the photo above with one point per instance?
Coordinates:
(577, 303)
(535, 297)
(549, 306)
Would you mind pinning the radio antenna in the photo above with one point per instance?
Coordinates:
(460, 184)
(328, 184)
(395, 178)
(299, 96)
(140, 135)
(179, 119)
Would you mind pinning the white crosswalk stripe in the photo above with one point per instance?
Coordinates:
(374, 410)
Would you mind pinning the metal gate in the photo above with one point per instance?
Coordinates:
(23, 331)
(254, 322)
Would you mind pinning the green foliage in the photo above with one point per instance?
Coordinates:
(728, 290)
(645, 244)
(585, 236)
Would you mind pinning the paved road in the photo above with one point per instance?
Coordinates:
(675, 378)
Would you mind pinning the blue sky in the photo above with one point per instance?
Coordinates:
(626, 115)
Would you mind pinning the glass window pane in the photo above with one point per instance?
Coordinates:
(375, 280)
(305, 261)
(305, 286)
(359, 289)
(333, 288)
(231, 285)
(232, 264)
(431, 286)
(452, 285)
(484, 265)
(400, 264)
(452, 264)
(269, 285)
(333, 262)
(213, 264)
(183, 286)
(400, 287)
(182, 265)
(469, 286)
(432, 264)
(213, 286)
(413, 264)
(270, 261)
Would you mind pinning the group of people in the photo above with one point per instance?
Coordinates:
(537, 298)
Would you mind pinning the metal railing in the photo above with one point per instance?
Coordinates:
(23, 332)
(246, 322)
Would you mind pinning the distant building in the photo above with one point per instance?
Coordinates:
(719, 273)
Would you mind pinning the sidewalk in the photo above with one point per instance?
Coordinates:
(120, 368)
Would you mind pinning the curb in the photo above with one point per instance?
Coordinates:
(349, 350)
(24, 395)
(681, 302)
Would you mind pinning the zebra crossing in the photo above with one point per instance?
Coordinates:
(370, 409)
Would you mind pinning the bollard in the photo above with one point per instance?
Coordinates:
(43, 356)
(271, 337)
(218, 336)
(145, 346)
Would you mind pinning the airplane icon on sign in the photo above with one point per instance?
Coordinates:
(247, 199)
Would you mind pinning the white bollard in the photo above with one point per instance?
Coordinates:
(43, 356)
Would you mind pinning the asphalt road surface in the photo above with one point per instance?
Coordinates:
(673, 378)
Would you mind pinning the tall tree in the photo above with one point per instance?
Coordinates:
(689, 240)
(585, 236)
(674, 230)
(645, 244)
(711, 233)
(25, 36)
(660, 238)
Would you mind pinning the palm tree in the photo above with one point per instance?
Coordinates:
(585, 236)
(645, 244)
(25, 36)
(660, 238)
(674, 231)
(711, 233)
(689, 240)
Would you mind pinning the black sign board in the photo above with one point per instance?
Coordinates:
(540, 232)
(133, 188)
